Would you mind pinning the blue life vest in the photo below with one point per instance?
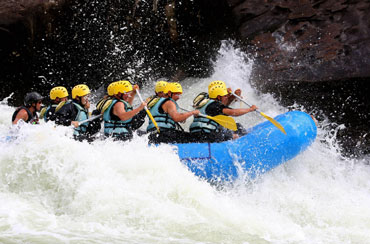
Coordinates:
(82, 114)
(163, 120)
(203, 124)
(113, 126)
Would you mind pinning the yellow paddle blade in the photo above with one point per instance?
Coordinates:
(225, 121)
(152, 119)
(42, 113)
(274, 122)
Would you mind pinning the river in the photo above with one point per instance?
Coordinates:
(57, 190)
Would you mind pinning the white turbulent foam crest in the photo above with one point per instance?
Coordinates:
(57, 190)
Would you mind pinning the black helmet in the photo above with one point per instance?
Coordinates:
(32, 97)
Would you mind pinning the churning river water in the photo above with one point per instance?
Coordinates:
(57, 190)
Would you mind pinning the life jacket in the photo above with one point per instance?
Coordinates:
(203, 124)
(113, 126)
(61, 104)
(82, 114)
(163, 120)
(152, 100)
(200, 100)
(32, 118)
(47, 112)
(103, 104)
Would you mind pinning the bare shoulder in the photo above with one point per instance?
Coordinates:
(118, 108)
(23, 113)
(119, 104)
(168, 105)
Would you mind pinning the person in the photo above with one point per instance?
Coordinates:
(104, 103)
(160, 86)
(58, 97)
(78, 110)
(28, 112)
(119, 118)
(204, 95)
(159, 92)
(165, 113)
(207, 130)
(230, 97)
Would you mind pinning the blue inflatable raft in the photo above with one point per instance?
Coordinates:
(262, 149)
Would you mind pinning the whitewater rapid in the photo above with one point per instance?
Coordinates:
(57, 190)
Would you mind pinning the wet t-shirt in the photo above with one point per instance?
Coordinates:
(215, 108)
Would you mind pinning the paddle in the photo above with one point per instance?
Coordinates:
(42, 113)
(89, 119)
(148, 112)
(274, 122)
(225, 121)
(43, 110)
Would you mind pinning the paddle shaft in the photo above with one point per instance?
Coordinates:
(274, 122)
(89, 119)
(202, 115)
(241, 99)
(148, 112)
(141, 99)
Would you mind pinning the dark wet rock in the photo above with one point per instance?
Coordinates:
(23, 26)
(315, 54)
(97, 42)
(23, 22)
(306, 40)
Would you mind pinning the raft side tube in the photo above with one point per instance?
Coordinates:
(261, 150)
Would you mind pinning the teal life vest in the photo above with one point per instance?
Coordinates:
(113, 126)
(203, 124)
(163, 120)
(82, 114)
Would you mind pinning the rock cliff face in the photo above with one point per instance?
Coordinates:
(314, 53)
(24, 25)
(102, 41)
(306, 40)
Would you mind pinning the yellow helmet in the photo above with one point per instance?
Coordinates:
(173, 87)
(160, 86)
(59, 91)
(122, 86)
(80, 90)
(110, 88)
(217, 90)
(216, 82)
